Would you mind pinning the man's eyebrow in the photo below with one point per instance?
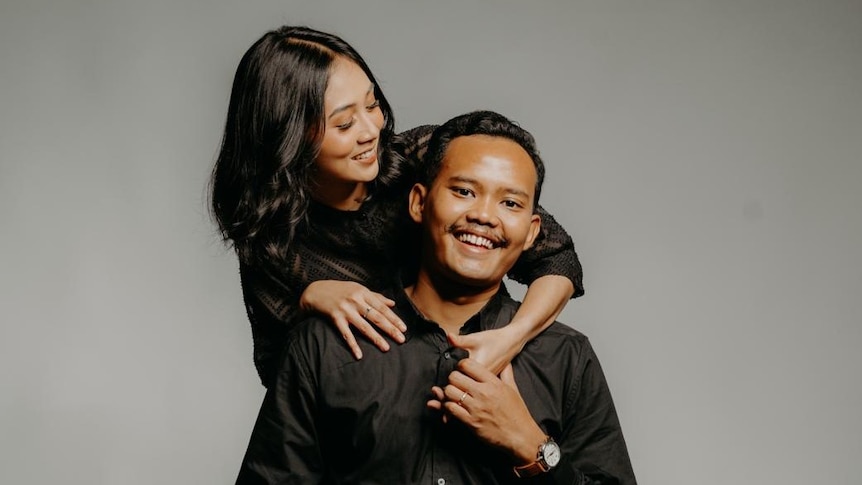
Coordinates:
(468, 180)
(348, 106)
(463, 180)
(519, 192)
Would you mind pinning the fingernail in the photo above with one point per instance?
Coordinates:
(400, 338)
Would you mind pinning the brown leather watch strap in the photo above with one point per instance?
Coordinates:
(531, 469)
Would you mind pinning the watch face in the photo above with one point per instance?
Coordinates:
(551, 453)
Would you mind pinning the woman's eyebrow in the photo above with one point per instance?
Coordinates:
(348, 106)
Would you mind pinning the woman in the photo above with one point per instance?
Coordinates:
(310, 189)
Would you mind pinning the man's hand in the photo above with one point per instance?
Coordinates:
(492, 407)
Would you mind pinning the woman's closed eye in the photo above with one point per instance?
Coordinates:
(349, 123)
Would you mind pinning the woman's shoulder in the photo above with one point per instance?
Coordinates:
(403, 155)
(413, 143)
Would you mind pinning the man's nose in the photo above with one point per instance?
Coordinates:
(483, 212)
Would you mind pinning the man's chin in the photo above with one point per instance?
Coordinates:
(466, 275)
(477, 282)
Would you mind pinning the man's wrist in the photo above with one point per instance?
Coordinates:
(547, 457)
(525, 452)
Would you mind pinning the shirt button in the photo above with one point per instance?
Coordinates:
(446, 355)
(440, 481)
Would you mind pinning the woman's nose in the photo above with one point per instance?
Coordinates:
(370, 129)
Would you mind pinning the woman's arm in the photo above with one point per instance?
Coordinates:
(274, 308)
(545, 299)
(552, 253)
(553, 272)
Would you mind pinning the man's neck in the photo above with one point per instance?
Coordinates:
(449, 309)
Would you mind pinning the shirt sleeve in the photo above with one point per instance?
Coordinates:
(413, 143)
(593, 448)
(272, 307)
(553, 252)
(284, 446)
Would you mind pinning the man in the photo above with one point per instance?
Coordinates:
(549, 417)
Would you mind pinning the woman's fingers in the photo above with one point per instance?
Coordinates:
(350, 304)
(369, 332)
(344, 329)
(362, 321)
(386, 320)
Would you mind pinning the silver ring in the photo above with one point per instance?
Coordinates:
(463, 396)
(367, 311)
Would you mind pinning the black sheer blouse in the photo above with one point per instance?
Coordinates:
(368, 246)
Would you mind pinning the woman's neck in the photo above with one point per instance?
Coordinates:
(345, 197)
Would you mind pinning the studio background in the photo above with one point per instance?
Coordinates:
(704, 155)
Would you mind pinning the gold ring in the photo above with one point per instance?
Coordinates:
(461, 401)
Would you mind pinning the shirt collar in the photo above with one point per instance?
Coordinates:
(496, 313)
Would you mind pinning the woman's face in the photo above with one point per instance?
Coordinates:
(353, 119)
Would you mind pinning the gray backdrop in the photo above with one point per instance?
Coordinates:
(705, 155)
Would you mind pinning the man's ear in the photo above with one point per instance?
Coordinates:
(535, 227)
(416, 202)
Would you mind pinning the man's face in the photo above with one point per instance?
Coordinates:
(477, 215)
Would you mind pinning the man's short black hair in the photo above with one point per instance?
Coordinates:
(479, 123)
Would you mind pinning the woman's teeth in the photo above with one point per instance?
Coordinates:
(364, 155)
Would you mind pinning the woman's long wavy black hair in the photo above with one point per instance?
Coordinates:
(261, 183)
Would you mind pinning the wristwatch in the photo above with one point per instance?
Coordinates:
(547, 458)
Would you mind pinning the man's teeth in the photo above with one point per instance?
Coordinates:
(476, 240)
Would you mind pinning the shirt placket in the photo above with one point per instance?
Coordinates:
(444, 466)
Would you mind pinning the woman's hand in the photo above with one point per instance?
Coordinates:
(349, 303)
(494, 349)
(544, 301)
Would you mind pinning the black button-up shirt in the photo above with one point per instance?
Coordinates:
(330, 418)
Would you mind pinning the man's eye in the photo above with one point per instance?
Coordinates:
(461, 191)
(511, 204)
